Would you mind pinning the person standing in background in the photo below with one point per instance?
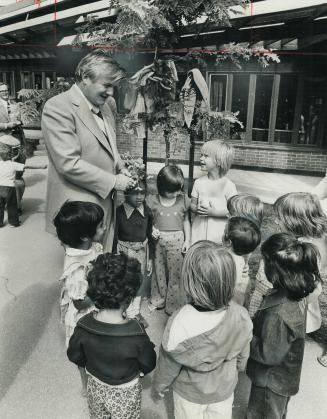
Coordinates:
(11, 124)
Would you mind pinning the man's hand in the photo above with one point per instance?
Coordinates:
(125, 172)
(123, 182)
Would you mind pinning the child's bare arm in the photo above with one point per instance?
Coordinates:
(210, 210)
(194, 204)
(187, 232)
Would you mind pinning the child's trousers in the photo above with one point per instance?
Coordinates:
(113, 402)
(265, 404)
(8, 196)
(187, 410)
(166, 283)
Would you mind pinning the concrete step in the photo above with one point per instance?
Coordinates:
(40, 152)
(41, 147)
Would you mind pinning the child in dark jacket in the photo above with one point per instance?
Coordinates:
(113, 350)
(133, 236)
(277, 347)
(206, 342)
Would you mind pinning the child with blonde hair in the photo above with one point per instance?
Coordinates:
(300, 214)
(246, 205)
(277, 348)
(211, 192)
(206, 342)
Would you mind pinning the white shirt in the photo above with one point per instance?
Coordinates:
(8, 171)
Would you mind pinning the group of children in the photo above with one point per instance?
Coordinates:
(198, 271)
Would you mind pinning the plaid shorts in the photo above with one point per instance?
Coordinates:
(113, 402)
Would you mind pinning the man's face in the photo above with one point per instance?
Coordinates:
(4, 92)
(98, 90)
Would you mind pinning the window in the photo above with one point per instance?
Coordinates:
(311, 112)
(286, 109)
(218, 89)
(240, 98)
(262, 103)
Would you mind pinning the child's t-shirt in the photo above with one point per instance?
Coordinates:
(8, 171)
(169, 218)
(216, 192)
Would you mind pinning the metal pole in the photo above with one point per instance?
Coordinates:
(191, 163)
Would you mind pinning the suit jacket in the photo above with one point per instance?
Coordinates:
(17, 132)
(82, 162)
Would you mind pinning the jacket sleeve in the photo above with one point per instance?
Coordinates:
(274, 343)
(75, 351)
(64, 148)
(166, 372)
(147, 356)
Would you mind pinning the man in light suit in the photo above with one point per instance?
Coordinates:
(10, 124)
(79, 132)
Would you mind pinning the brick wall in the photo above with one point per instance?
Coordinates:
(261, 157)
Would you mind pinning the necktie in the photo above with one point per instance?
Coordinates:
(97, 113)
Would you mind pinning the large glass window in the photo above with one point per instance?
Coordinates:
(262, 103)
(218, 89)
(286, 109)
(240, 98)
(311, 112)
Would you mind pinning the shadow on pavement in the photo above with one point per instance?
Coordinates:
(34, 178)
(22, 323)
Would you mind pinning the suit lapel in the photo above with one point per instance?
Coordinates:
(86, 117)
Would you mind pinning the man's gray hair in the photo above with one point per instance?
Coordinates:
(91, 66)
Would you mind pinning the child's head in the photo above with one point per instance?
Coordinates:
(291, 265)
(8, 145)
(208, 275)
(78, 222)
(301, 214)
(136, 196)
(243, 235)
(245, 205)
(217, 154)
(170, 181)
(113, 280)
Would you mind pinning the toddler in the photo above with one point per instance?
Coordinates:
(277, 347)
(133, 236)
(206, 342)
(242, 236)
(211, 192)
(8, 169)
(171, 217)
(79, 227)
(114, 351)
